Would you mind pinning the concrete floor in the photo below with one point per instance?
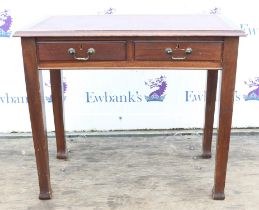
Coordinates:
(148, 172)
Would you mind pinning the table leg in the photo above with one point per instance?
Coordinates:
(57, 101)
(34, 89)
(212, 78)
(225, 115)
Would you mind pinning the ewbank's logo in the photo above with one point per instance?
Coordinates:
(5, 24)
(254, 93)
(158, 85)
(109, 11)
(215, 10)
(49, 98)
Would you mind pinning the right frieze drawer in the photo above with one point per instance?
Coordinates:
(177, 51)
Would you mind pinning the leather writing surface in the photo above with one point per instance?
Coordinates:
(133, 25)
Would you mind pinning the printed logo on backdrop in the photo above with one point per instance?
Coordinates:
(200, 96)
(248, 29)
(5, 23)
(158, 87)
(49, 97)
(215, 10)
(253, 94)
(8, 98)
(156, 93)
(108, 11)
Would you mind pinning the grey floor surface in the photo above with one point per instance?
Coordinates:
(147, 172)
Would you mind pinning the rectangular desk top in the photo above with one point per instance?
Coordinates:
(132, 25)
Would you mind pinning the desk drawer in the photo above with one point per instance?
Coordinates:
(178, 50)
(82, 51)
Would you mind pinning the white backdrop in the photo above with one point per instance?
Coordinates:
(110, 100)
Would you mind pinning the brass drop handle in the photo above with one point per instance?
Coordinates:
(188, 51)
(72, 52)
(170, 51)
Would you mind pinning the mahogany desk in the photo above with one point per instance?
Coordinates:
(180, 42)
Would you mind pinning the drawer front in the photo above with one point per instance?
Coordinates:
(177, 51)
(82, 51)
